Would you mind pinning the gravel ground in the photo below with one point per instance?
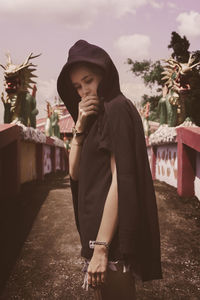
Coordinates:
(40, 245)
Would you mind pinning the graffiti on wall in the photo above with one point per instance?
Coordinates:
(58, 160)
(47, 159)
(197, 177)
(166, 164)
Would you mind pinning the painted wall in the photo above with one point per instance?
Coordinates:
(149, 156)
(58, 159)
(166, 164)
(197, 177)
(28, 161)
(27, 154)
(47, 167)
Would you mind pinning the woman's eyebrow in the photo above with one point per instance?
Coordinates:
(74, 83)
(85, 77)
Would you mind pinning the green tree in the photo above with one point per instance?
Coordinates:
(180, 47)
(153, 100)
(150, 72)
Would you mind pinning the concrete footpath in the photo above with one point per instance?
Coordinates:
(40, 248)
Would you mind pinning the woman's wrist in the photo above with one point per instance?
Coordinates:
(79, 127)
(100, 250)
(78, 139)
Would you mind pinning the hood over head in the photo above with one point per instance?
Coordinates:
(82, 51)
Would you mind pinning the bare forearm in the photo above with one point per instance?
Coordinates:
(110, 213)
(74, 156)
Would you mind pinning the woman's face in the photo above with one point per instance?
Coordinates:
(85, 81)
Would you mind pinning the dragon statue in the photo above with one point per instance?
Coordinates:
(174, 106)
(51, 127)
(19, 104)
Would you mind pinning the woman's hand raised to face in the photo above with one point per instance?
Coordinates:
(89, 105)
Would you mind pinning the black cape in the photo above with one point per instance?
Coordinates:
(138, 227)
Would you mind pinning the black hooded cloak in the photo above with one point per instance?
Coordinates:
(117, 128)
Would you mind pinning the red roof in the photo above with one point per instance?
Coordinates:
(40, 121)
(66, 123)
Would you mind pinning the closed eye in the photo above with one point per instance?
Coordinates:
(86, 81)
(89, 81)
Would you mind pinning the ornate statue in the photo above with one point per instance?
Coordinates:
(167, 107)
(51, 127)
(48, 124)
(174, 105)
(144, 112)
(19, 104)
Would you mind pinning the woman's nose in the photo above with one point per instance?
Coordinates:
(86, 91)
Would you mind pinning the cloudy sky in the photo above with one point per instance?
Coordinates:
(136, 29)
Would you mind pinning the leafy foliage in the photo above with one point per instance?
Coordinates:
(149, 71)
(180, 47)
(153, 100)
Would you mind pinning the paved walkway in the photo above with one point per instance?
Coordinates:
(41, 248)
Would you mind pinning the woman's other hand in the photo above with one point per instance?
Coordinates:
(98, 266)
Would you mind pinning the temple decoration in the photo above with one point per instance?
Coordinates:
(144, 112)
(19, 104)
(51, 126)
(174, 106)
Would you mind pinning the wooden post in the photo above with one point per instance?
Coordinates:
(186, 170)
(153, 161)
(53, 158)
(40, 161)
(10, 160)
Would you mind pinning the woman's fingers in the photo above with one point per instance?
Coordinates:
(88, 98)
(88, 111)
(90, 104)
(89, 278)
(103, 277)
(96, 279)
(92, 107)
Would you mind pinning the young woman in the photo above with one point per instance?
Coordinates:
(112, 188)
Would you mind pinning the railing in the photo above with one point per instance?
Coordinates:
(24, 160)
(178, 163)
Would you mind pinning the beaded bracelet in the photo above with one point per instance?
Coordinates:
(76, 144)
(93, 243)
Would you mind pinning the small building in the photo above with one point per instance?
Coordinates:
(65, 122)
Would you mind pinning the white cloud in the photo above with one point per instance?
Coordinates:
(74, 13)
(134, 90)
(134, 46)
(189, 23)
(46, 90)
(171, 5)
(122, 7)
(156, 4)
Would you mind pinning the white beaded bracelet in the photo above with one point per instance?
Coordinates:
(93, 243)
